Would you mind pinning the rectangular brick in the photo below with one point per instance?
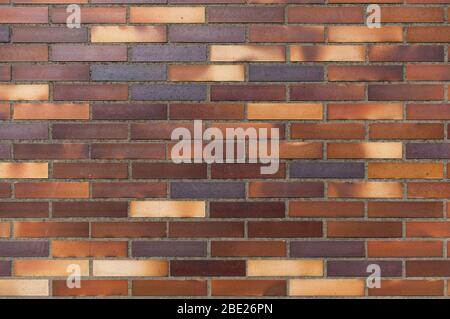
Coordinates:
(250, 53)
(365, 189)
(52, 190)
(24, 15)
(167, 15)
(24, 288)
(327, 53)
(162, 92)
(105, 34)
(90, 92)
(48, 34)
(282, 33)
(207, 34)
(48, 229)
(92, 53)
(135, 72)
(168, 52)
(92, 15)
(405, 209)
(50, 72)
(234, 14)
(207, 190)
(90, 131)
(89, 209)
(24, 92)
(326, 209)
(50, 151)
(284, 73)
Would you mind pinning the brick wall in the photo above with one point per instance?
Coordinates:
(86, 171)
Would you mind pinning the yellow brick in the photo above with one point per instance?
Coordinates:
(167, 209)
(167, 15)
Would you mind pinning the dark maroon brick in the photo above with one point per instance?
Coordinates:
(50, 72)
(327, 249)
(326, 170)
(207, 268)
(284, 229)
(284, 73)
(124, 151)
(230, 14)
(206, 33)
(223, 92)
(49, 34)
(129, 111)
(9, 131)
(5, 151)
(24, 209)
(173, 248)
(90, 170)
(90, 131)
(247, 209)
(51, 151)
(24, 248)
(5, 268)
(169, 170)
(207, 190)
(168, 52)
(90, 209)
(358, 268)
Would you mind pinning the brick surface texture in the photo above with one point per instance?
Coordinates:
(87, 177)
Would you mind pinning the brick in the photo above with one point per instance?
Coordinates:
(327, 249)
(430, 72)
(92, 53)
(167, 209)
(120, 268)
(327, 131)
(285, 189)
(169, 288)
(364, 34)
(207, 33)
(326, 170)
(49, 229)
(231, 248)
(365, 189)
(5, 268)
(366, 111)
(327, 53)
(52, 190)
(169, 248)
(91, 288)
(199, 268)
(24, 288)
(5, 230)
(428, 34)
(136, 72)
(326, 287)
(23, 131)
(411, 14)
(285, 73)
(356, 268)
(304, 14)
(237, 171)
(365, 150)
(427, 150)
(24, 15)
(160, 92)
(406, 53)
(24, 210)
(416, 131)
(281, 267)
(365, 73)
(205, 229)
(89, 209)
(206, 73)
(428, 190)
(329, 92)
(234, 14)
(168, 170)
(405, 209)
(207, 190)
(246, 210)
(23, 170)
(167, 14)
(325, 209)
(128, 189)
(364, 229)
(90, 131)
(405, 92)
(250, 288)
(41, 268)
(213, 111)
(92, 15)
(48, 34)
(24, 92)
(282, 33)
(50, 72)
(250, 53)
(284, 111)
(409, 288)
(124, 111)
(93, 92)
(23, 52)
(406, 170)
(168, 52)
(4, 34)
(105, 34)
(50, 151)
(5, 75)
(5, 190)
(404, 249)
(252, 92)
(50, 111)
(79, 249)
(277, 229)
(427, 229)
(24, 248)
(128, 229)
(127, 151)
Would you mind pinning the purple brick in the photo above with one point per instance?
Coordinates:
(49, 34)
(207, 268)
(236, 14)
(327, 170)
(169, 248)
(358, 268)
(135, 72)
(123, 111)
(280, 72)
(173, 92)
(23, 131)
(327, 249)
(207, 190)
(128, 1)
(24, 249)
(177, 53)
(5, 151)
(206, 33)
(5, 268)
(4, 34)
(428, 150)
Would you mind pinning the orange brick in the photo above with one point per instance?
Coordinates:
(326, 287)
(428, 229)
(365, 190)
(428, 72)
(40, 268)
(5, 229)
(128, 34)
(23, 170)
(428, 190)
(113, 268)
(428, 34)
(206, 73)
(409, 288)
(326, 209)
(406, 170)
(365, 150)
(364, 34)
(251, 53)
(167, 14)
(411, 14)
(24, 288)
(386, 249)
(367, 111)
(290, 150)
(89, 248)
(50, 111)
(52, 190)
(167, 209)
(364, 229)
(406, 131)
(284, 268)
(24, 92)
(284, 111)
(327, 130)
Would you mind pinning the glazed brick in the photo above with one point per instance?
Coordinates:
(23, 52)
(206, 111)
(135, 72)
(79, 248)
(124, 151)
(405, 170)
(428, 111)
(5, 190)
(285, 189)
(327, 131)
(206, 33)
(169, 288)
(205, 229)
(93, 53)
(89, 209)
(128, 229)
(291, 229)
(428, 34)
(24, 15)
(406, 53)
(23, 131)
(365, 150)
(404, 249)
(427, 268)
(330, 92)
(327, 249)
(326, 209)
(92, 15)
(304, 14)
(51, 111)
(49, 229)
(24, 209)
(409, 288)
(326, 287)
(428, 190)
(289, 33)
(341, 268)
(107, 34)
(5, 75)
(425, 150)
(167, 14)
(168, 52)
(90, 92)
(5, 268)
(365, 111)
(238, 171)
(159, 92)
(24, 248)
(365, 189)
(327, 53)
(365, 73)
(252, 53)
(168, 170)
(206, 73)
(207, 190)
(123, 111)
(250, 288)
(275, 73)
(427, 229)
(199, 268)
(247, 92)
(91, 288)
(404, 92)
(50, 151)
(4, 34)
(362, 229)
(169, 249)
(128, 190)
(405, 209)
(231, 248)
(50, 72)
(326, 170)
(428, 72)
(52, 190)
(48, 34)
(90, 131)
(231, 14)
(246, 210)
(364, 34)
(419, 131)
(411, 14)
